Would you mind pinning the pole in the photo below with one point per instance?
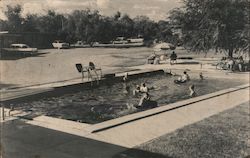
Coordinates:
(2, 113)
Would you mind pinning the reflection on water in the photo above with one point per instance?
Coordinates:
(115, 99)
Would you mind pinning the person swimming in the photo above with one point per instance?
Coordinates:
(192, 91)
(184, 78)
(201, 76)
(143, 99)
(136, 90)
(146, 102)
(126, 88)
(125, 77)
(143, 88)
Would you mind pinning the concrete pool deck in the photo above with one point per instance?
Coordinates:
(207, 70)
(129, 131)
(108, 70)
(42, 138)
(23, 140)
(59, 65)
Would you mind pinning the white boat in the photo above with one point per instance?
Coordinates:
(60, 44)
(20, 48)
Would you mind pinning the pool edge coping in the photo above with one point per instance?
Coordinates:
(95, 128)
(106, 125)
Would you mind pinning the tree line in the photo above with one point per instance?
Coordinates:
(221, 25)
(88, 26)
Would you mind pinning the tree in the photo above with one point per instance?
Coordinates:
(84, 25)
(15, 20)
(3, 25)
(104, 30)
(117, 16)
(51, 23)
(126, 26)
(213, 24)
(145, 27)
(30, 23)
(165, 33)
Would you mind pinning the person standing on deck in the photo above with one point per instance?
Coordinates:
(173, 58)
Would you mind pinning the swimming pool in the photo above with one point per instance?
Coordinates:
(111, 100)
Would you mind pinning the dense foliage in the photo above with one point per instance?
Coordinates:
(87, 25)
(214, 24)
(222, 25)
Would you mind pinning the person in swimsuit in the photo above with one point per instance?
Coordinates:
(144, 88)
(192, 91)
(184, 78)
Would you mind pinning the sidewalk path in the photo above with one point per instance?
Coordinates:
(141, 131)
(21, 140)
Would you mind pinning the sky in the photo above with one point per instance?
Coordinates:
(154, 9)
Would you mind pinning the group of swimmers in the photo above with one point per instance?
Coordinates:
(143, 91)
(140, 89)
(145, 100)
(185, 78)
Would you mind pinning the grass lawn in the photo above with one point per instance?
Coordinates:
(225, 135)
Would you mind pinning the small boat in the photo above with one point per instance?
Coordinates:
(20, 48)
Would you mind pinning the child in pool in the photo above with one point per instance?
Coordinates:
(136, 90)
(192, 91)
(184, 78)
(143, 88)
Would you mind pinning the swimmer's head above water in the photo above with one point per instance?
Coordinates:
(137, 86)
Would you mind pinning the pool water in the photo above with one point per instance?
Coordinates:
(111, 100)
